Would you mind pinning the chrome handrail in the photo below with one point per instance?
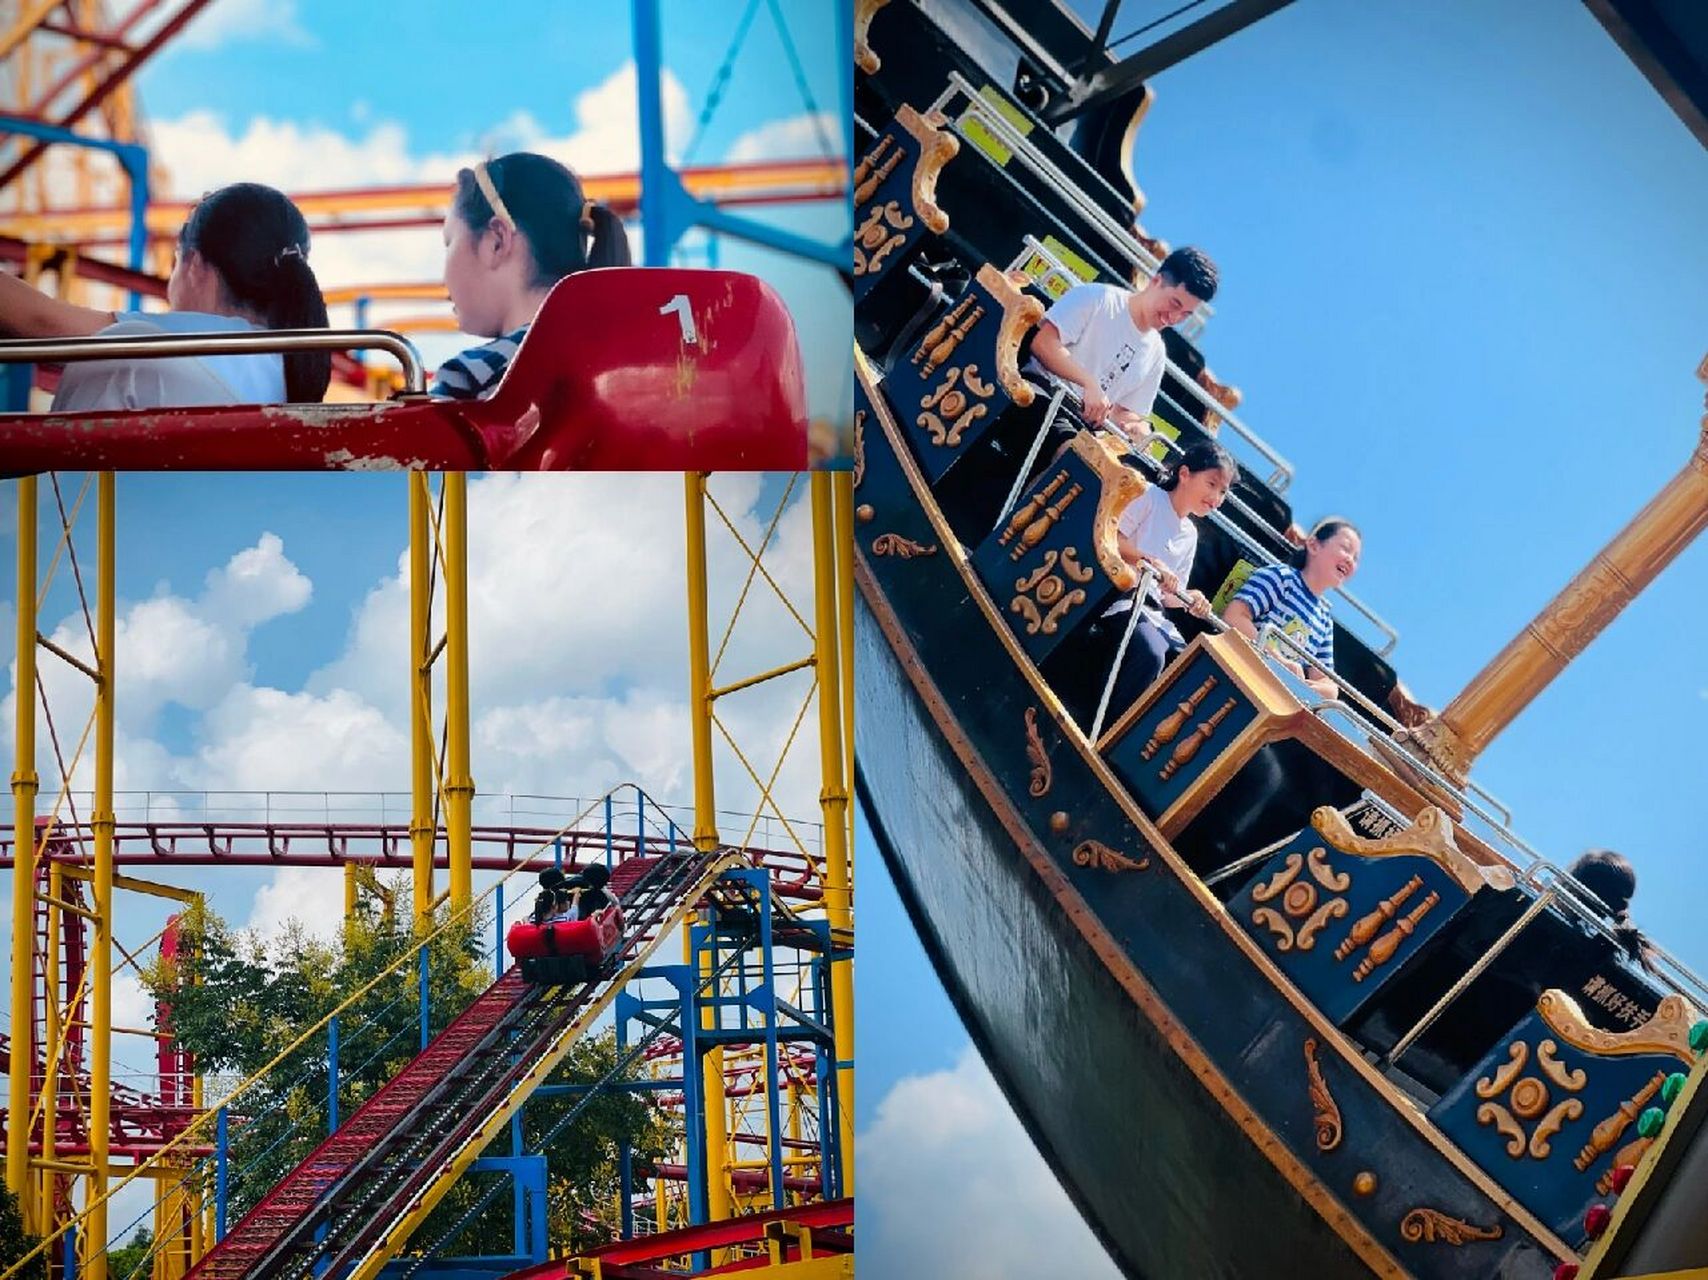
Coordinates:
(156, 346)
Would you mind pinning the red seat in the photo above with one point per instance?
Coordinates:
(616, 374)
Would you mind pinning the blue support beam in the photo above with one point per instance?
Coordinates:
(667, 209)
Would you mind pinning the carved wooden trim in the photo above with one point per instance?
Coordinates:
(864, 58)
(1020, 313)
(936, 148)
(1668, 1031)
(1119, 485)
(1430, 835)
(1042, 775)
(1094, 853)
(893, 544)
(1424, 1225)
(1327, 1113)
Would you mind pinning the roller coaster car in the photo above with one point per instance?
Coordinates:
(623, 369)
(567, 951)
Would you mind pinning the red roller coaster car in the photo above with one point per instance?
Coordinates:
(627, 368)
(560, 944)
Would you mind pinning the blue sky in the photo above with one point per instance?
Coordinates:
(1464, 291)
(308, 96)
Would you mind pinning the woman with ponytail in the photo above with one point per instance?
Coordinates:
(1612, 881)
(517, 225)
(1155, 531)
(242, 265)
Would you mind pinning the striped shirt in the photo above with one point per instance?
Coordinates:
(477, 370)
(1277, 595)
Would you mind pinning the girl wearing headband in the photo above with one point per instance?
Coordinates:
(1290, 597)
(242, 264)
(517, 226)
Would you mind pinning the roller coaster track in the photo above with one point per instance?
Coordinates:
(354, 1201)
(381, 845)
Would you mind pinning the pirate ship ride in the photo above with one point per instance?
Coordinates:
(1265, 976)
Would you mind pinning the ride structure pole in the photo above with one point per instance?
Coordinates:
(459, 783)
(833, 799)
(719, 1203)
(100, 1065)
(25, 783)
(421, 826)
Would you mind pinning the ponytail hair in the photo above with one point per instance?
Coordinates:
(257, 241)
(565, 232)
(1201, 455)
(1325, 530)
(1611, 881)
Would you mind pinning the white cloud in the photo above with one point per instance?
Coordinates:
(951, 1185)
(258, 739)
(230, 21)
(311, 898)
(256, 584)
(798, 137)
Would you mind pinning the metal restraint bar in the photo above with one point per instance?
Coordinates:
(267, 341)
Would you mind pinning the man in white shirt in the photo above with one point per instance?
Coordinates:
(1107, 340)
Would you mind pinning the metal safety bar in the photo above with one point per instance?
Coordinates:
(156, 346)
(1047, 169)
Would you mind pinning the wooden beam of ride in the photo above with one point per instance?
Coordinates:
(1567, 624)
(781, 181)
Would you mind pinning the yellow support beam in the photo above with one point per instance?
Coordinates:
(25, 784)
(838, 895)
(699, 664)
(459, 784)
(421, 829)
(101, 1034)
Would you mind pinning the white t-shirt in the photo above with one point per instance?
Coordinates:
(1100, 335)
(173, 382)
(1151, 524)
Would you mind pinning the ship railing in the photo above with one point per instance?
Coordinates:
(1120, 238)
(1279, 478)
(1552, 883)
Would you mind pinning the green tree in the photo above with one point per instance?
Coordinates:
(133, 1258)
(15, 1242)
(236, 1002)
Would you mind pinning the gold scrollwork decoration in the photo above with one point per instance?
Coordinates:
(859, 447)
(1039, 785)
(1326, 1112)
(1280, 880)
(1508, 1128)
(1541, 1140)
(1043, 598)
(1333, 909)
(1277, 924)
(1316, 861)
(1094, 853)
(864, 58)
(893, 544)
(1557, 1071)
(1518, 1053)
(1430, 835)
(884, 230)
(1424, 1225)
(1668, 1031)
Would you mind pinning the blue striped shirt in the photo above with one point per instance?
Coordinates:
(1276, 594)
(477, 370)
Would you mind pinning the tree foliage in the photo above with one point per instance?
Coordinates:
(15, 1242)
(237, 1002)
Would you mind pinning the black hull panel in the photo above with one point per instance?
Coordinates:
(1161, 1065)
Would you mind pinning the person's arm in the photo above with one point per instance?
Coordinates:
(1049, 351)
(27, 312)
(1133, 412)
(1239, 616)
